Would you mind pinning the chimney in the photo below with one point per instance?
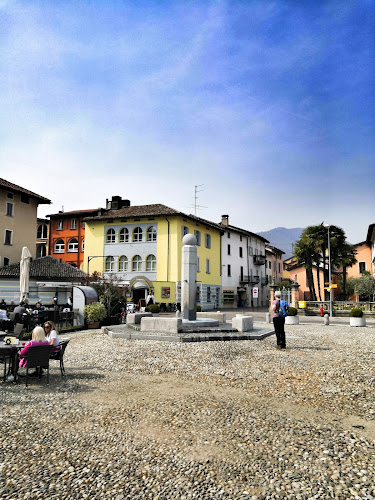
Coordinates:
(225, 220)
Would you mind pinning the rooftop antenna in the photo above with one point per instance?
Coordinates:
(62, 208)
(196, 190)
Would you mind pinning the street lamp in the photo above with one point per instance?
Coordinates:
(329, 271)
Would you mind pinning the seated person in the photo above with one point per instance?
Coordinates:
(38, 314)
(38, 338)
(51, 334)
(21, 309)
(5, 322)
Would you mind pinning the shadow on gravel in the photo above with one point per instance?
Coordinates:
(311, 348)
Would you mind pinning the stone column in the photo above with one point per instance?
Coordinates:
(295, 294)
(189, 278)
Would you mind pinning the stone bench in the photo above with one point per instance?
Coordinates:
(135, 318)
(242, 323)
(218, 316)
(157, 324)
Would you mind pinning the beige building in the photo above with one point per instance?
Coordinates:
(18, 221)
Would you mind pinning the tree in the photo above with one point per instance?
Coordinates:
(110, 294)
(364, 286)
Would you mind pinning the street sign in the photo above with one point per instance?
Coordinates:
(333, 285)
(255, 292)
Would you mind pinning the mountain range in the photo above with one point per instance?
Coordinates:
(283, 238)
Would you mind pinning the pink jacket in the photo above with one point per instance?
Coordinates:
(26, 348)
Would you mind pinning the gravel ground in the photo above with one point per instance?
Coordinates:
(226, 420)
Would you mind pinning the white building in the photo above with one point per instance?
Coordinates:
(243, 259)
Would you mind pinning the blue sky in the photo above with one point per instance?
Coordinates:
(268, 104)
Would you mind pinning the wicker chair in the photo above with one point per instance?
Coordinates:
(59, 355)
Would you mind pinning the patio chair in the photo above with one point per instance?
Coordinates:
(18, 330)
(38, 357)
(59, 355)
(5, 357)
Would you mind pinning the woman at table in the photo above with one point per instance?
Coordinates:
(51, 334)
(38, 338)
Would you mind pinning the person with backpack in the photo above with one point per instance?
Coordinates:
(279, 312)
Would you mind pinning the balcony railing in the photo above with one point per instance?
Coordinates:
(249, 280)
(259, 260)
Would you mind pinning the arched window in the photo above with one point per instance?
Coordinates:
(137, 234)
(110, 236)
(42, 232)
(59, 246)
(73, 245)
(151, 263)
(151, 233)
(41, 251)
(123, 264)
(137, 263)
(124, 235)
(109, 264)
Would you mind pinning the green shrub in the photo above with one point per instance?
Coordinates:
(356, 312)
(154, 308)
(292, 311)
(94, 312)
(199, 308)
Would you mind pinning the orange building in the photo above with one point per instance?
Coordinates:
(363, 263)
(298, 273)
(67, 236)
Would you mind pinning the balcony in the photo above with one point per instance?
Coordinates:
(249, 280)
(259, 260)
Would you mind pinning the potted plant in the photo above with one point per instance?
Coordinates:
(199, 308)
(356, 317)
(94, 313)
(154, 308)
(292, 318)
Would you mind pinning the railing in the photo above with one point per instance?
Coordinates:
(259, 260)
(250, 279)
(341, 305)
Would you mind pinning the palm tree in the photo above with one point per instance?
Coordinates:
(304, 253)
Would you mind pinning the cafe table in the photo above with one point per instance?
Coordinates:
(10, 352)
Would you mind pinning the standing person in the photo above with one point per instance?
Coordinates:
(278, 321)
(51, 333)
(150, 298)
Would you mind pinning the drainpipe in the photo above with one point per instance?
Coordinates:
(79, 242)
(167, 251)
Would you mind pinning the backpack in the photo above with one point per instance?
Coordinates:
(283, 308)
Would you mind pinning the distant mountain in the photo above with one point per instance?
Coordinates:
(283, 238)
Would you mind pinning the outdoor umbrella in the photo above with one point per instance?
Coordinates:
(24, 274)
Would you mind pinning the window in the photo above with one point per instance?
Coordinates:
(60, 225)
(41, 232)
(279, 268)
(8, 237)
(109, 264)
(83, 245)
(184, 230)
(362, 267)
(73, 224)
(208, 266)
(110, 236)
(208, 240)
(208, 294)
(136, 263)
(241, 273)
(25, 199)
(250, 250)
(137, 234)
(228, 250)
(41, 251)
(6, 261)
(269, 264)
(228, 234)
(9, 211)
(229, 270)
(198, 265)
(73, 245)
(123, 264)
(124, 235)
(198, 237)
(10, 195)
(151, 263)
(151, 233)
(83, 225)
(240, 249)
(59, 246)
(240, 237)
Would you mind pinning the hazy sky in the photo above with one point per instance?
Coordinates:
(269, 104)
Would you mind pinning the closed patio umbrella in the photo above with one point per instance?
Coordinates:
(24, 274)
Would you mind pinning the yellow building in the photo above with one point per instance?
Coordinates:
(141, 247)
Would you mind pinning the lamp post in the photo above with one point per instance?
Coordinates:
(329, 271)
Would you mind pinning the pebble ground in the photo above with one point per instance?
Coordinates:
(216, 420)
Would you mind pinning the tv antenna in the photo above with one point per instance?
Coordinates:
(196, 190)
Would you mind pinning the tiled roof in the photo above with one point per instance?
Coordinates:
(243, 231)
(148, 211)
(13, 187)
(46, 268)
(73, 212)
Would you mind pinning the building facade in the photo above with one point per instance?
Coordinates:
(370, 241)
(243, 280)
(67, 236)
(42, 238)
(140, 247)
(18, 219)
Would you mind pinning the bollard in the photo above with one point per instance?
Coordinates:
(268, 318)
(326, 319)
